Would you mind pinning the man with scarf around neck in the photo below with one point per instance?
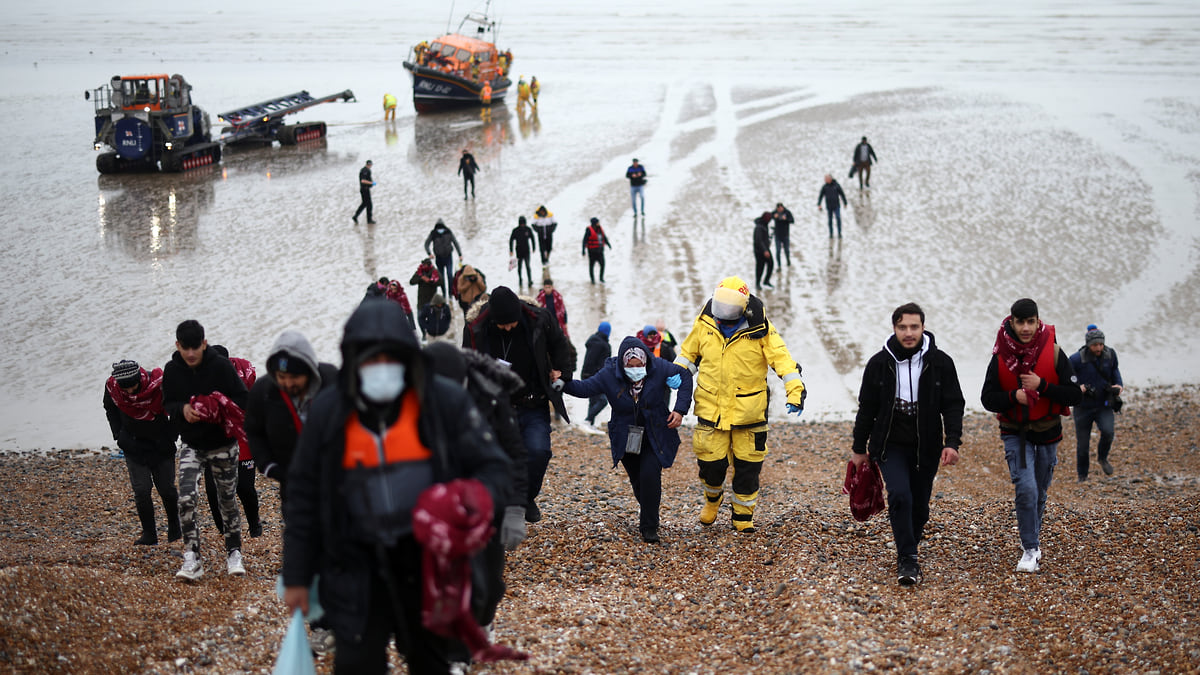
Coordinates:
(910, 411)
(1029, 384)
(527, 339)
(729, 349)
(636, 384)
(371, 446)
(278, 404)
(195, 370)
(133, 405)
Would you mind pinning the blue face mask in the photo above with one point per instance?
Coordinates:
(635, 374)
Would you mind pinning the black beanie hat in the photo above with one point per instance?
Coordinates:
(504, 305)
(127, 373)
(1023, 309)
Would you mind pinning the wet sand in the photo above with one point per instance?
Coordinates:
(811, 591)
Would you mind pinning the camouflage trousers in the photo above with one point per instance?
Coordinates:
(224, 463)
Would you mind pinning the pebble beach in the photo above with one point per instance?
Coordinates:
(811, 591)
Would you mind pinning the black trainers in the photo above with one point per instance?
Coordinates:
(650, 536)
(908, 570)
(1108, 470)
(532, 513)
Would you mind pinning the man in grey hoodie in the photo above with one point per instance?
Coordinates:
(278, 403)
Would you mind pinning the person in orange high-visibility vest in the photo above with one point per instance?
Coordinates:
(390, 432)
(485, 94)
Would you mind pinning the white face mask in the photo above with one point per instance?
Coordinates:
(635, 373)
(381, 382)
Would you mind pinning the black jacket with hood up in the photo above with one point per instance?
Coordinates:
(316, 537)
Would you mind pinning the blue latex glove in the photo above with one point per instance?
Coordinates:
(674, 381)
(793, 408)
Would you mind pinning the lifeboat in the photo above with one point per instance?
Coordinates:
(450, 71)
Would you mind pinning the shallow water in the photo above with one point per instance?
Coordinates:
(1048, 151)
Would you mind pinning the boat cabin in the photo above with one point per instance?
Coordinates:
(462, 56)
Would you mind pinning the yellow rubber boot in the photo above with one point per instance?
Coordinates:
(712, 504)
(743, 512)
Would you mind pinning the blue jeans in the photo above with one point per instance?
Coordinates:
(1030, 484)
(535, 432)
(783, 246)
(636, 191)
(836, 211)
(908, 496)
(1084, 417)
(595, 405)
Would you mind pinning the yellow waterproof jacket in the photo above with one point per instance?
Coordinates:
(731, 375)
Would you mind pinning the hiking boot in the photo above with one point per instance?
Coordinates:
(1108, 470)
(1082, 478)
(907, 570)
(256, 529)
(708, 514)
(234, 564)
(147, 539)
(1029, 560)
(192, 568)
(744, 526)
(650, 536)
(532, 513)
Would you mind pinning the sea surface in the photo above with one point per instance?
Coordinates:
(1041, 149)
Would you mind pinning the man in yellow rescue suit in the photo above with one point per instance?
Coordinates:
(730, 347)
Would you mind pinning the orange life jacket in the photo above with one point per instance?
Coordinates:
(401, 443)
(1043, 368)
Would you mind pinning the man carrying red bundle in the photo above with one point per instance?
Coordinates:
(910, 412)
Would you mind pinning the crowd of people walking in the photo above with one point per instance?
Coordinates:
(405, 474)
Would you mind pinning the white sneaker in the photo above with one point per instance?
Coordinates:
(321, 641)
(1029, 560)
(192, 567)
(591, 429)
(234, 564)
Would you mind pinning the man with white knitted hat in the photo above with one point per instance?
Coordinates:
(734, 344)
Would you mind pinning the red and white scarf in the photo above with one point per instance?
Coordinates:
(218, 409)
(453, 521)
(144, 404)
(1020, 357)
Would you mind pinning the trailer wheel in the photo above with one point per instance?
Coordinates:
(286, 135)
(108, 163)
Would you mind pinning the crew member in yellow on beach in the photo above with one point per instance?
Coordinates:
(730, 347)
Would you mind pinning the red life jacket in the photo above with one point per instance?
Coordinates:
(402, 443)
(595, 237)
(1043, 368)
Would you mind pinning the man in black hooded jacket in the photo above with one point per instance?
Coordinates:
(910, 411)
(349, 511)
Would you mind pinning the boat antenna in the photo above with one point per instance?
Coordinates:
(450, 17)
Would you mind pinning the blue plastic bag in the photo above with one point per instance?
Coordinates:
(295, 657)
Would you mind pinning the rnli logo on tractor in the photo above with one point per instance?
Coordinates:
(433, 87)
